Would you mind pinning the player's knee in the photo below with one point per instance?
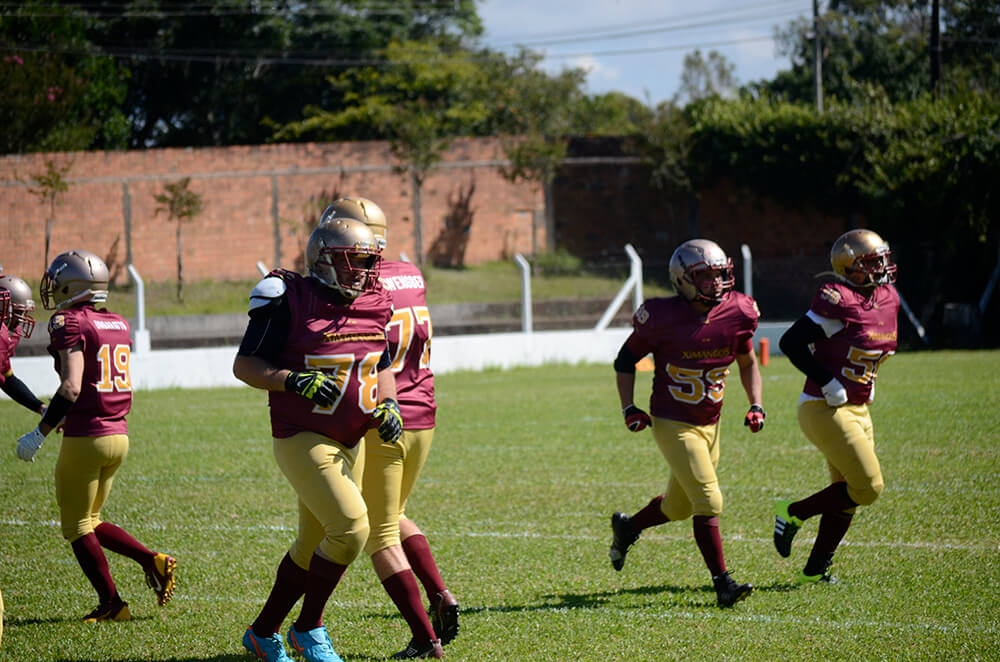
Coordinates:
(866, 495)
(345, 546)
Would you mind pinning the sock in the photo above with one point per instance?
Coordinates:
(94, 564)
(289, 585)
(706, 535)
(405, 594)
(418, 553)
(832, 529)
(831, 499)
(650, 515)
(323, 577)
(116, 539)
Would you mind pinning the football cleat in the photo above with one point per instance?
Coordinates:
(785, 528)
(728, 592)
(314, 645)
(114, 611)
(414, 651)
(160, 577)
(624, 537)
(269, 649)
(824, 577)
(444, 616)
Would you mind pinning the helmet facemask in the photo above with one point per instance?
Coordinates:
(701, 272)
(20, 322)
(342, 253)
(863, 259)
(352, 272)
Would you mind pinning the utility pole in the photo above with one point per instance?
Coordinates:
(818, 58)
(936, 48)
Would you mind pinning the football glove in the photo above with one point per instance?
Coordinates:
(313, 385)
(835, 393)
(389, 420)
(755, 418)
(635, 418)
(28, 445)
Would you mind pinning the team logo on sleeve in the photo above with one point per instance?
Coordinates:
(831, 295)
(642, 315)
(57, 322)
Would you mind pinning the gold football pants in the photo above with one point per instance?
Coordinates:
(391, 471)
(692, 453)
(846, 438)
(332, 515)
(85, 471)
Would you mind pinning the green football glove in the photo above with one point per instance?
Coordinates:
(389, 420)
(313, 385)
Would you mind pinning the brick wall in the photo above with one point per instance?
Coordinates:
(261, 201)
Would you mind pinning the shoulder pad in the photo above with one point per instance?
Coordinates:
(267, 291)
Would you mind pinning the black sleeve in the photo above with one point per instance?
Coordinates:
(626, 360)
(267, 331)
(794, 344)
(19, 392)
(384, 361)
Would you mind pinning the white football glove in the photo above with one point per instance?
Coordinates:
(835, 393)
(28, 445)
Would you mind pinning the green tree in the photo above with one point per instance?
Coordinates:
(49, 187)
(865, 43)
(58, 93)
(225, 72)
(706, 76)
(433, 93)
(182, 205)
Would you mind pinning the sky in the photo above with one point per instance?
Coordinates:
(638, 46)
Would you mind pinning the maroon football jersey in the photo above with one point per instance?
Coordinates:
(409, 335)
(343, 340)
(869, 336)
(692, 354)
(8, 344)
(106, 392)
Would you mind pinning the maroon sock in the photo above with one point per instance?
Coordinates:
(289, 585)
(324, 576)
(650, 515)
(116, 539)
(418, 553)
(91, 558)
(831, 499)
(402, 588)
(706, 535)
(832, 529)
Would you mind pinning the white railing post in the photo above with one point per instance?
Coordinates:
(262, 268)
(633, 284)
(747, 270)
(140, 334)
(525, 266)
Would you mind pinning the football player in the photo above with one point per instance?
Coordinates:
(18, 323)
(318, 347)
(839, 344)
(694, 338)
(398, 548)
(91, 348)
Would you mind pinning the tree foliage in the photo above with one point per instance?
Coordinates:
(59, 94)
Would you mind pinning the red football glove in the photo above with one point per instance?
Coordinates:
(755, 418)
(635, 418)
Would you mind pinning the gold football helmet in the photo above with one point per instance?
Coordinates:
(344, 255)
(21, 322)
(863, 258)
(362, 209)
(74, 276)
(695, 267)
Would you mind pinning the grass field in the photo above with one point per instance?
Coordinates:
(527, 468)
